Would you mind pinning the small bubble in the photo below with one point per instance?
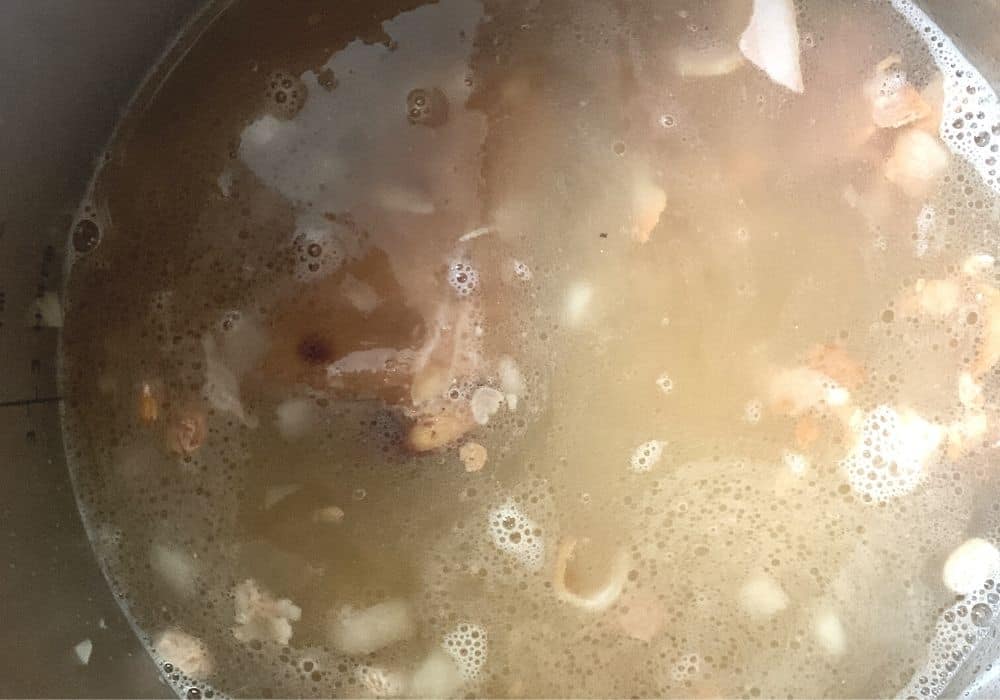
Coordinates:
(86, 236)
(521, 270)
(667, 121)
(359, 494)
(428, 107)
(194, 693)
(327, 79)
(752, 411)
(665, 383)
(982, 139)
(619, 148)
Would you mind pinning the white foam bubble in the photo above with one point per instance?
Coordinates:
(665, 383)
(467, 646)
(685, 667)
(522, 271)
(753, 410)
(966, 92)
(960, 628)
(925, 224)
(890, 452)
(513, 532)
(646, 455)
(463, 277)
(319, 249)
(796, 462)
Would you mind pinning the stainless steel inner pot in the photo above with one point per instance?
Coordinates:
(67, 69)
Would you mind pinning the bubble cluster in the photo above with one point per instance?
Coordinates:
(890, 453)
(318, 248)
(467, 646)
(286, 94)
(665, 383)
(961, 630)
(970, 119)
(522, 271)
(427, 107)
(666, 121)
(646, 456)
(796, 462)
(753, 410)
(463, 278)
(513, 532)
(86, 235)
(686, 667)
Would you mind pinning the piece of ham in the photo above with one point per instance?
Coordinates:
(894, 101)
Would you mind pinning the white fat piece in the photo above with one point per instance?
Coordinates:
(771, 42)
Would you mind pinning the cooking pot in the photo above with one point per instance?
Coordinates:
(67, 70)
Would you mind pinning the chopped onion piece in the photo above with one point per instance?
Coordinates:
(771, 42)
